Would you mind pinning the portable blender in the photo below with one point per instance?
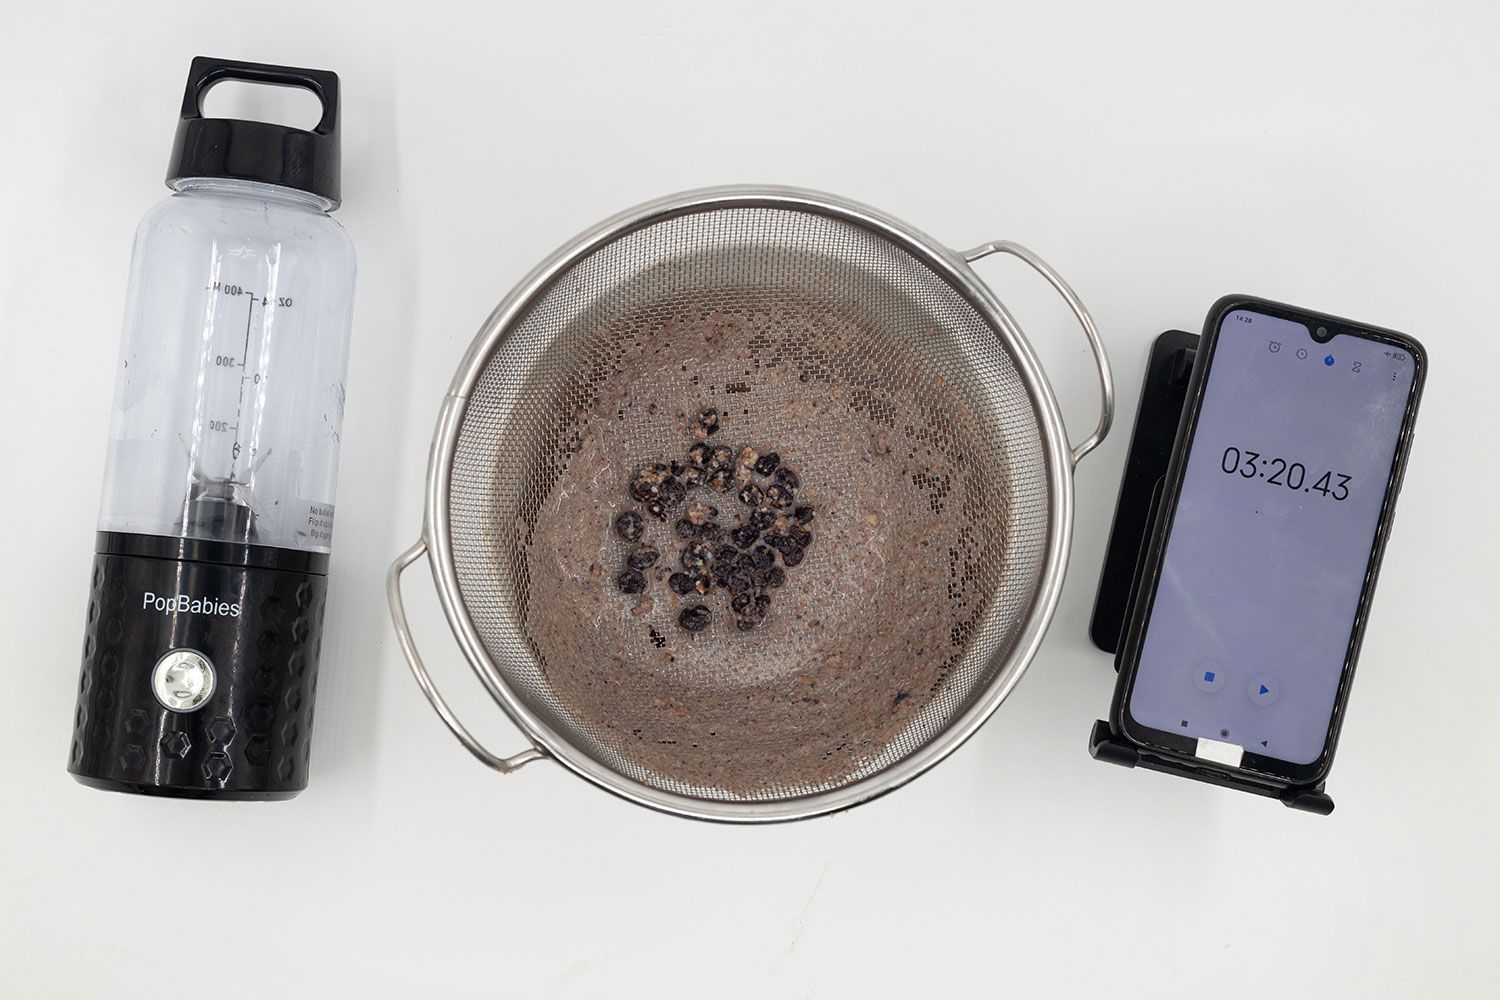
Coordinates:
(205, 611)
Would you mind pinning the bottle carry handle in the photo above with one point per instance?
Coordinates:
(207, 71)
(264, 152)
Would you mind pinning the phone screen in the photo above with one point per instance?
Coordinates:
(1265, 563)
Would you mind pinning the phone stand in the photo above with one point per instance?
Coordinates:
(1163, 395)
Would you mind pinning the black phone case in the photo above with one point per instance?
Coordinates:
(1169, 404)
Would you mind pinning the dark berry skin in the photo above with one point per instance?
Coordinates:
(722, 455)
(751, 495)
(711, 531)
(761, 520)
(791, 558)
(726, 554)
(698, 513)
(695, 618)
(782, 543)
(720, 479)
(778, 495)
(745, 623)
(629, 526)
(802, 537)
(644, 557)
(762, 557)
(685, 528)
(646, 484)
(672, 491)
(697, 555)
(703, 583)
(767, 463)
(681, 583)
(631, 582)
(739, 602)
(657, 509)
(694, 475)
(707, 422)
(786, 477)
(744, 536)
(776, 577)
(803, 514)
(762, 602)
(700, 453)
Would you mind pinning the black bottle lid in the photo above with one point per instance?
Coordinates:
(258, 151)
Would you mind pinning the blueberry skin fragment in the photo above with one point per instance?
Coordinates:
(629, 526)
(744, 536)
(783, 543)
(631, 582)
(644, 557)
(697, 555)
(695, 618)
(767, 463)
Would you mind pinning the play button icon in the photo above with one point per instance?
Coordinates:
(1263, 689)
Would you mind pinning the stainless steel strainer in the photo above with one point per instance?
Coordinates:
(927, 436)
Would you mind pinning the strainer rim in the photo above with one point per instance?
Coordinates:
(949, 266)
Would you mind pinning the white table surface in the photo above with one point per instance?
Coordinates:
(1338, 155)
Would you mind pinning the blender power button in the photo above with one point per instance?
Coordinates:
(183, 680)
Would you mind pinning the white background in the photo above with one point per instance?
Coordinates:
(1342, 156)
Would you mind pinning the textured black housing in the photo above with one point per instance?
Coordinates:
(250, 740)
(258, 151)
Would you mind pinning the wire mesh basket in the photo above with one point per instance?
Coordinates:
(924, 428)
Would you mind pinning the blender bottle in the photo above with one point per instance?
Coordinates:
(205, 612)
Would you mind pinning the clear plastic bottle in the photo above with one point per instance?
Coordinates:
(205, 611)
(229, 395)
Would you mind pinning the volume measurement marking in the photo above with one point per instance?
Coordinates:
(253, 298)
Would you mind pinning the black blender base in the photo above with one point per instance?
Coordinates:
(1163, 395)
(166, 791)
(256, 619)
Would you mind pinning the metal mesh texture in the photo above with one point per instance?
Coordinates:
(806, 306)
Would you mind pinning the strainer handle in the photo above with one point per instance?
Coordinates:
(1101, 359)
(504, 765)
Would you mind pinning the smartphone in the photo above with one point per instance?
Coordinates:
(1273, 516)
